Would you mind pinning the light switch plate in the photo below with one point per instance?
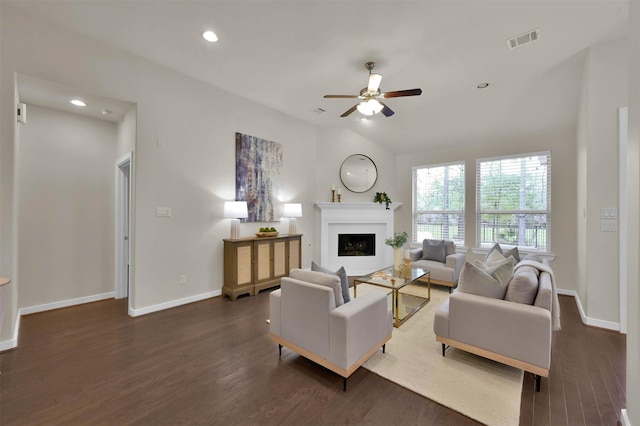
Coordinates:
(163, 211)
(608, 213)
(608, 225)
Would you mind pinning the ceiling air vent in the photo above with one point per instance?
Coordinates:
(525, 38)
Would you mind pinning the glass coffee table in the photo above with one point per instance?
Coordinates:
(404, 303)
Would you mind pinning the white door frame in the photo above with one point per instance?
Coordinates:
(124, 227)
(623, 123)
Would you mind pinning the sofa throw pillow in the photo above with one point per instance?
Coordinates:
(494, 257)
(449, 248)
(433, 250)
(320, 278)
(341, 273)
(501, 271)
(496, 248)
(476, 280)
(514, 253)
(523, 288)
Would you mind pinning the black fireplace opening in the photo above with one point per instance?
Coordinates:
(356, 244)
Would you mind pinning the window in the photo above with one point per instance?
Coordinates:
(513, 196)
(438, 202)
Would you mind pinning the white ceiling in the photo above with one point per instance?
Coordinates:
(288, 54)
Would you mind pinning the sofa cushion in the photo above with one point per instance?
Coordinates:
(523, 287)
(341, 273)
(434, 250)
(476, 280)
(321, 278)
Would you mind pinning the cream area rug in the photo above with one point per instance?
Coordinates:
(484, 390)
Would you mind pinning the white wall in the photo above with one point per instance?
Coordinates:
(633, 213)
(65, 207)
(127, 134)
(561, 143)
(334, 146)
(185, 155)
(604, 91)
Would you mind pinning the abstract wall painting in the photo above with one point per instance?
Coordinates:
(258, 165)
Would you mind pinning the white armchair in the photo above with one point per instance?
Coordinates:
(305, 318)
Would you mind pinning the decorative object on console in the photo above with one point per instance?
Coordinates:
(235, 210)
(267, 232)
(382, 197)
(258, 164)
(358, 173)
(292, 211)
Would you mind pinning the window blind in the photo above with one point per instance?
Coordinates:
(438, 202)
(513, 197)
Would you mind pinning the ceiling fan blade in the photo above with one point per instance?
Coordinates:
(342, 96)
(374, 82)
(349, 111)
(399, 93)
(388, 112)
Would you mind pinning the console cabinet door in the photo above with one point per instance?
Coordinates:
(264, 255)
(238, 268)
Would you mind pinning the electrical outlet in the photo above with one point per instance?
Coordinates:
(183, 279)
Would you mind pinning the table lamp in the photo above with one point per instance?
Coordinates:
(235, 210)
(292, 211)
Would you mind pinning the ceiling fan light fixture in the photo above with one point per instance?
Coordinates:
(374, 82)
(370, 107)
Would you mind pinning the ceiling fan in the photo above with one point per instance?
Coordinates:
(370, 96)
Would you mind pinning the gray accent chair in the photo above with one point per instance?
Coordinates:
(307, 316)
(446, 273)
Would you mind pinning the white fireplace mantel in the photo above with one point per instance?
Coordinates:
(356, 218)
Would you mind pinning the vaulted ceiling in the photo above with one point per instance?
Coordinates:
(288, 54)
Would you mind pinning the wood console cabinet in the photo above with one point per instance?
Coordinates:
(253, 264)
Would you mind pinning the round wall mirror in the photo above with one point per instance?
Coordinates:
(358, 173)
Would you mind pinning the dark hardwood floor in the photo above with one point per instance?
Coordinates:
(212, 362)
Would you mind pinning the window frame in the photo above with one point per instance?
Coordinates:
(547, 212)
(415, 212)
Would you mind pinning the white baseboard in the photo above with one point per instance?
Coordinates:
(66, 303)
(173, 303)
(624, 418)
(594, 322)
(13, 342)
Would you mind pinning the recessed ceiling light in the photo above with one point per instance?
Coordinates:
(106, 112)
(78, 102)
(210, 36)
(363, 119)
(483, 85)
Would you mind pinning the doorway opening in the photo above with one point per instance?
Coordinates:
(124, 180)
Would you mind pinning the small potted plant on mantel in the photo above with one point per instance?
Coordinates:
(382, 197)
(399, 239)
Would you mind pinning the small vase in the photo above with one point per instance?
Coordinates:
(398, 258)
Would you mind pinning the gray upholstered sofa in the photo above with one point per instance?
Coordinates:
(308, 315)
(445, 268)
(516, 334)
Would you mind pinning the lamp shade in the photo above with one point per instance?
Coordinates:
(235, 209)
(292, 210)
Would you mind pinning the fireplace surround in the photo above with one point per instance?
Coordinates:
(356, 219)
